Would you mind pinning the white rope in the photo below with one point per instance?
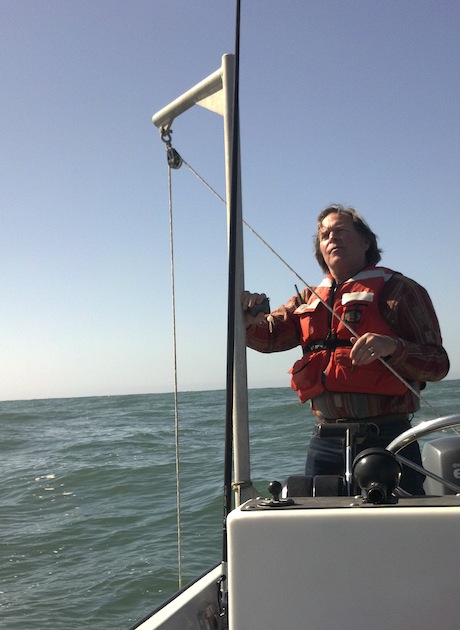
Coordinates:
(176, 401)
(312, 289)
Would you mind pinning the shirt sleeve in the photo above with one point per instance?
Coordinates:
(407, 308)
(283, 333)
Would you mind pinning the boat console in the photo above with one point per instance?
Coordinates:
(342, 562)
(371, 560)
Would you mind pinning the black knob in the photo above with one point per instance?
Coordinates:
(377, 472)
(275, 488)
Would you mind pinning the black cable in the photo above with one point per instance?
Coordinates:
(231, 291)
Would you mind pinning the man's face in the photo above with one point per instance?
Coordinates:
(342, 246)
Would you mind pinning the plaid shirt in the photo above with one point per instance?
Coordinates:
(419, 357)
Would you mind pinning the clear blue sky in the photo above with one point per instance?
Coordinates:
(355, 102)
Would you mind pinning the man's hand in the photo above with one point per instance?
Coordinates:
(371, 347)
(258, 304)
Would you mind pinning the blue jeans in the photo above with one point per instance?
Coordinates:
(326, 455)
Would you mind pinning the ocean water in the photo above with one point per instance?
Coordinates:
(88, 526)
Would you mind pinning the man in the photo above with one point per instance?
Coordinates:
(383, 318)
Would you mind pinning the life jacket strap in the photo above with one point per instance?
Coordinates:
(330, 343)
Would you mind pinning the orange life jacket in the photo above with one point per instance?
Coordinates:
(326, 342)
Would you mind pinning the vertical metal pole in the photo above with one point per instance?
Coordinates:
(349, 441)
(242, 474)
